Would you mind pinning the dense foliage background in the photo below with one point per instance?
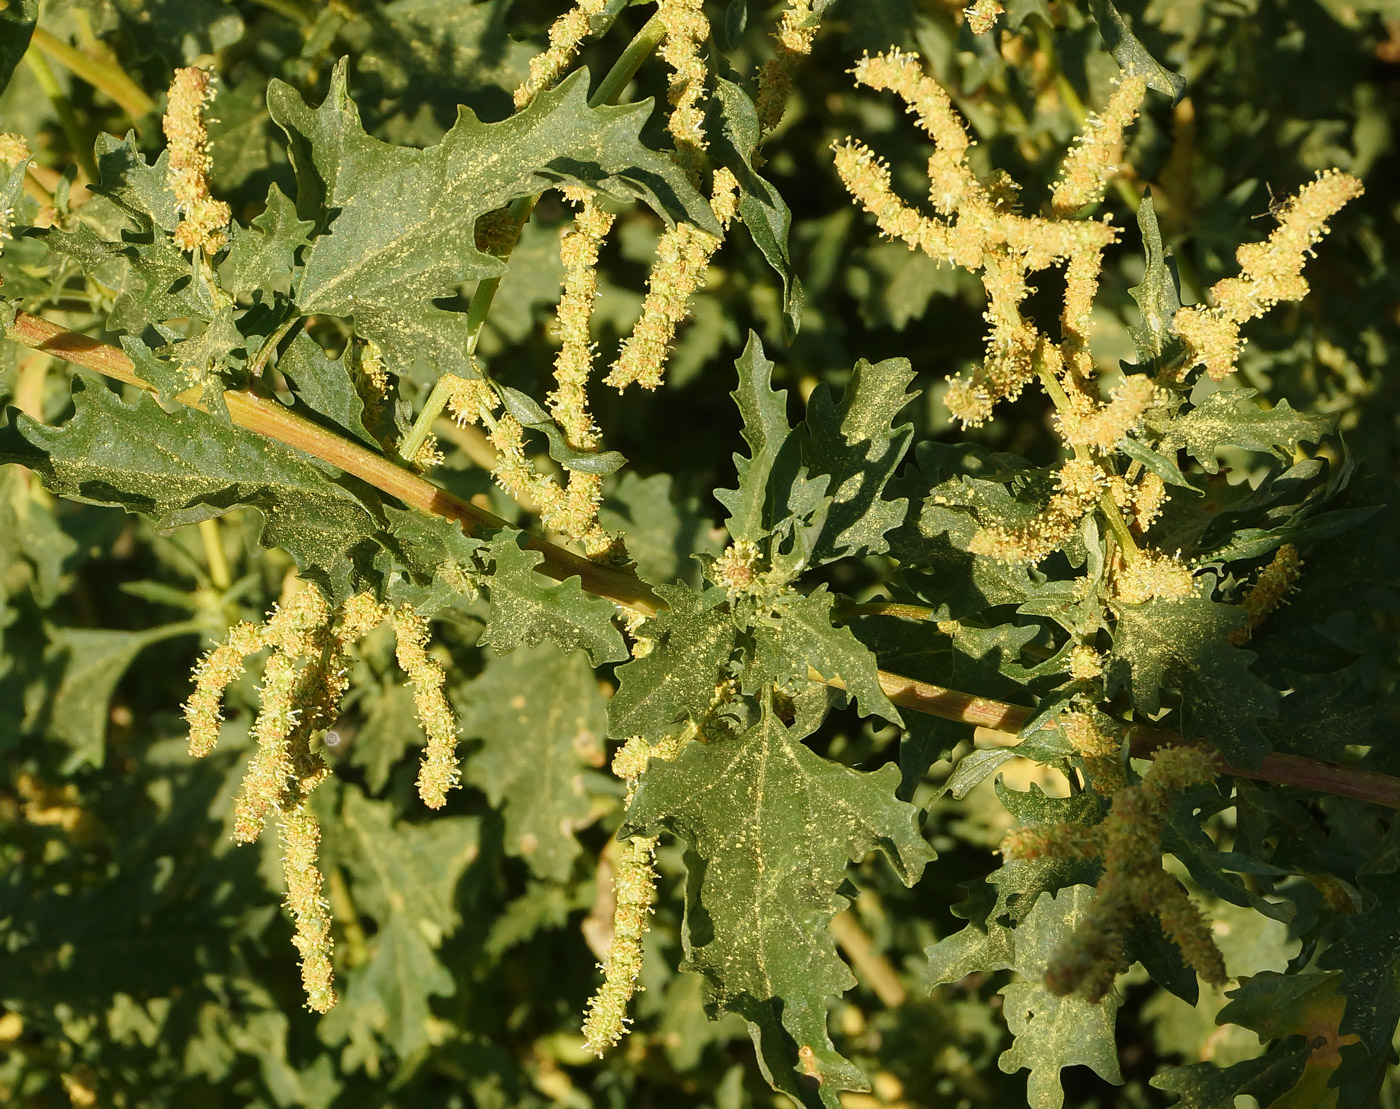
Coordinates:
(146, 960)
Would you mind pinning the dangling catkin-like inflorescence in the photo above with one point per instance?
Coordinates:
(797, 27)
(203, 219)
(565, 36)
(1129, 842)
(304, 679)
(1270, 272)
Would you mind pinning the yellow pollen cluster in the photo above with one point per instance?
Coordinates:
(203, 218)
(1093, 160)
(565, 36)
(1129, 841)
(1153, 576)
(439, 771)
(982, 16)
(686, 29)
(1101, 750)
(682, 257)
(737, 570)
(977, 230)
(1270, 272)
(1102, 426)
(13, 148)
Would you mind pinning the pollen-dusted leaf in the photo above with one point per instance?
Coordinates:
(858, 445)
(1054, 1032)
(1264, 1080)
(187, 466)
(773, 458)
(1369, 958)
(325, 386)
(1157, 297)
(1130, 54)
(405, 877)
(733, 130)
(402, 221)
(771, 827)
(526, 610)
(541, 720)
(1226, 418)
(801, 635)
(437, 561)
(1181, 646)
(261, 258)
(688, 659)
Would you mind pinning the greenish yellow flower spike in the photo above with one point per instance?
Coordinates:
(686, 31)
(1270, 272)
(1275, 582)
(1093, 160)
(1129, 841)
(565, 37)
(796, 30)
(978, 231)
(682, 259)
(634, 887)
(301, 839)
(203, 218)
(982, 16)
(439, 771)
(212, 675)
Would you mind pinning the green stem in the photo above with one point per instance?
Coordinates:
(219, 573)
(78, 138)
(268, 418)
(269, 345)
(1119, 527)
(103, 74)
(625, 68)
(422, 427)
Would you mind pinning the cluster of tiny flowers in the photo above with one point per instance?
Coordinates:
(439, 771)
(686, 30)
(1143, 501)
(304, 680)
(1085, 663)
(1081, 482)
(737, 571)
(1129, 842)
(1100, 748)
(634, 891)
(565, 37)
(1151, 575)
(203, 219)
(1275, 582)
(1270, 272)
(982, 16)
(682, 258)
(796, 29)
(977, 230)
(13, 149)
(1099, 426)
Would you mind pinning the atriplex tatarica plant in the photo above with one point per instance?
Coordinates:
(696, 449)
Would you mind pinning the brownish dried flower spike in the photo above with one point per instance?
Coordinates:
(439, 771)
(204, 218)
(1270, 272)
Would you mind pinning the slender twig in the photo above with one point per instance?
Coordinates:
(267, 417)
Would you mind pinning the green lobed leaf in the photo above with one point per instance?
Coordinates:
(857, 443)
(187, 466)
(262, 258)
(1206, 1086)
(405, 877)
(1131, 55)
(326, 387)
(1182, 646)
(398, 224)
(800, 635)
(524, 610)
(17, 21)
(1054, 1032)
(771, 827)
(690, 647)
(733, 130)
(541, 720)
(768, 472)
(1226, 418)
(1157, 297)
